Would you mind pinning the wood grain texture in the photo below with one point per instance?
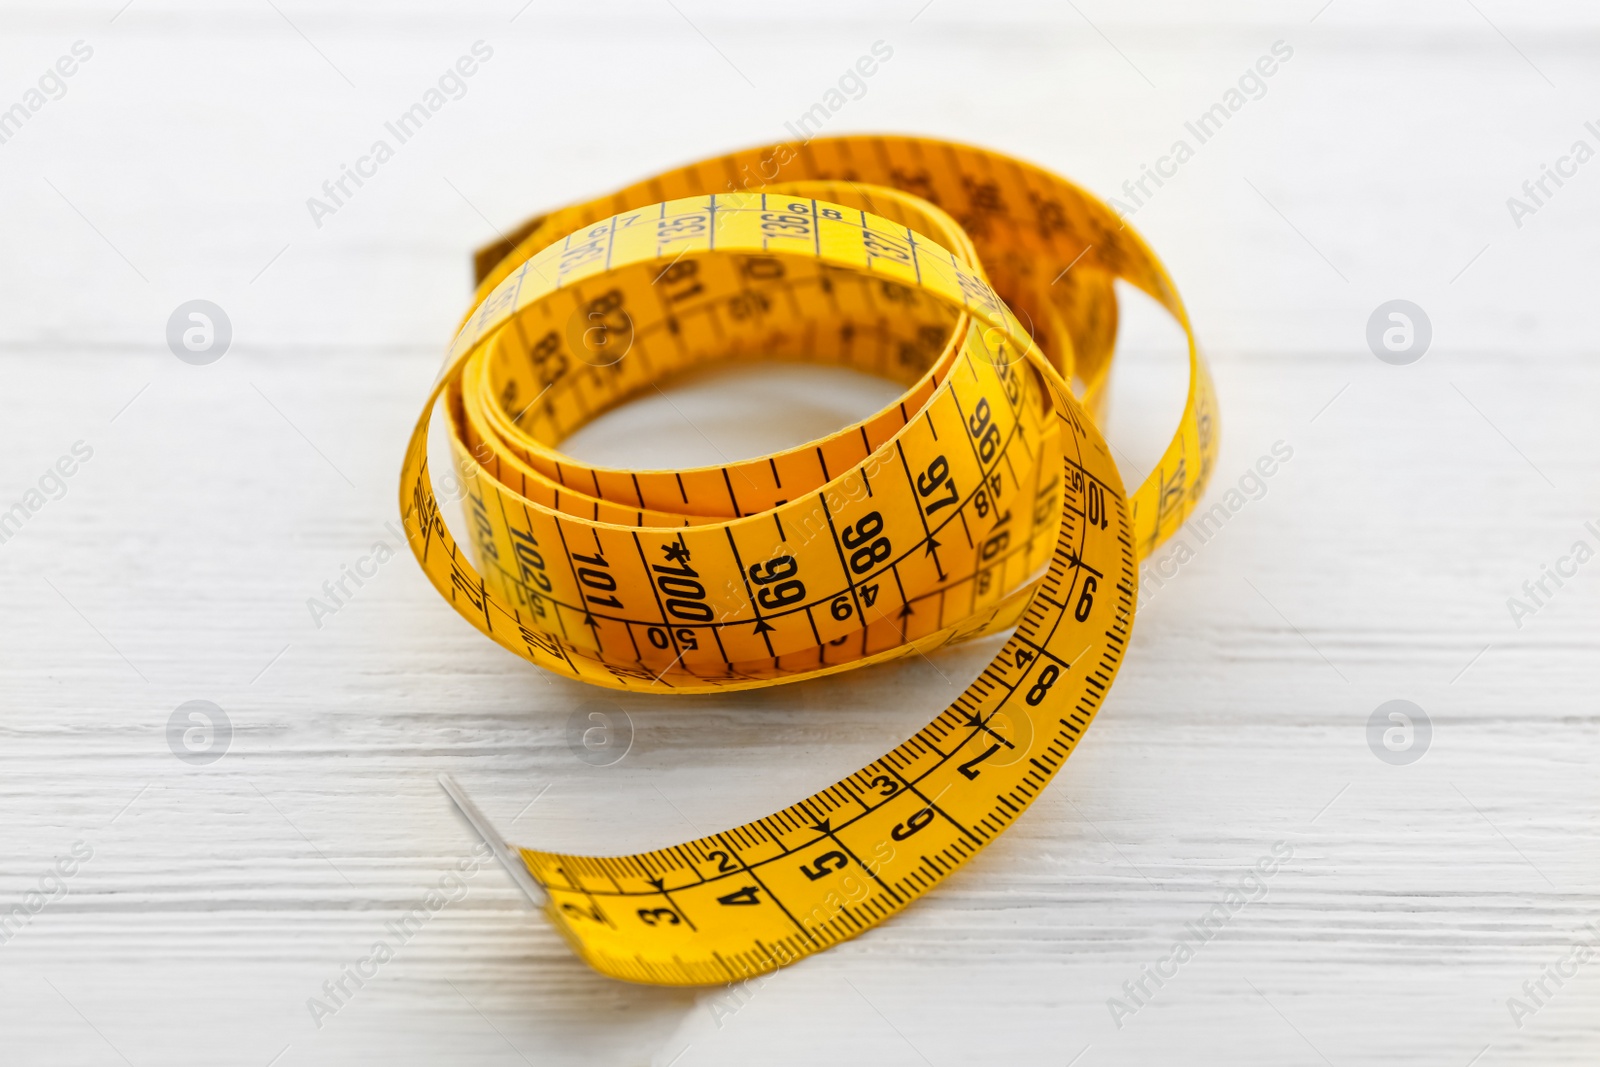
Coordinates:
(1374, 564)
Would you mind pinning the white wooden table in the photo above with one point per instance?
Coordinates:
(216, 899)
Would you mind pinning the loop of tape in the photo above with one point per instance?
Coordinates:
(983, 500)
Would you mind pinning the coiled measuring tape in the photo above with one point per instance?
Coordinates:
(984, 499)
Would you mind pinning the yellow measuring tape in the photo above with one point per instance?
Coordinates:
(984, 500)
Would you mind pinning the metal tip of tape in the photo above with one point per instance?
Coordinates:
(513, 865)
